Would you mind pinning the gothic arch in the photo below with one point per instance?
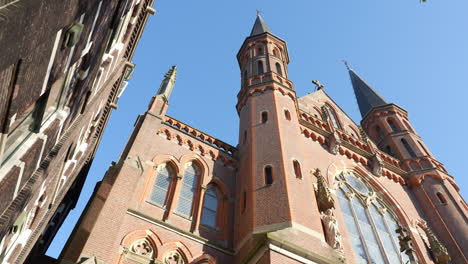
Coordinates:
(197, 159)
(334, 112)
(340, 166)
(169, 159)
(151, 174)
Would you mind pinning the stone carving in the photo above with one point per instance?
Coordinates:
(142, 247)
(324, 113)
(438, 250)
(324, 198)
(332, 233)
(406, 243)
(377, 165)
(334, 142)
(363, 134)
(173, 257)
(318, 85)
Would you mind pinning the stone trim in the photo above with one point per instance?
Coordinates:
(178, 231)
(290, 254)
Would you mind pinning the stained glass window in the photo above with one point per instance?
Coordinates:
(161, 185)
(187, 191)
(370, 226)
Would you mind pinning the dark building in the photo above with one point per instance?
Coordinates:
(63, 65)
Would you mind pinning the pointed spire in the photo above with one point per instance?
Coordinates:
(259, 26)
(168, 83)
(366, 97)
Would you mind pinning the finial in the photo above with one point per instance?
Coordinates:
(347, 65)
(318, 85)
(168, 82)
(258, 12)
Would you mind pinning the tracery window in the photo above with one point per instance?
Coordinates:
(187, 191)
(210, 207)
(161, 184)
(370, 225)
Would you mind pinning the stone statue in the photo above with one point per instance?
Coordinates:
(438, 249)
(334, 142)
(377, 165)
(325, 200)
(332, 233)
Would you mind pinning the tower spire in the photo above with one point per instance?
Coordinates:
(167, 84)
(259, 26)
(366, 97)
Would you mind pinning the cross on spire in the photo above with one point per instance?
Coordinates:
(347, 65)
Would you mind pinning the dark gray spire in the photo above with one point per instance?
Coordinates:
(259, 27)
(366, 97)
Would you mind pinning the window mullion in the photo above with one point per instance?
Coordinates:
(361, 235)
(376, 232)
(391, 238)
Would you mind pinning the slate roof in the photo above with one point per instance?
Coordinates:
(367, 98)
(259, 27)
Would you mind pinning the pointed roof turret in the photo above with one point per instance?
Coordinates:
(259, 26)
(168, 83)
(366, 97)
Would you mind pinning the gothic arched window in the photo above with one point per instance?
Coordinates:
(392, 125)
(370, 225)
(210, 207)
(161, 184)
(260, 67)
(275, 52)
(332, 116)
(408, 148)
(278, 69)
(187, 190)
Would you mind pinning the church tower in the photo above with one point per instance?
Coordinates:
(434, 188)
(271, 185)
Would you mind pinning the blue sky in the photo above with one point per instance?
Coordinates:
(414, 54)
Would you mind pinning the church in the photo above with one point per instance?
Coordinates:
(305, 183)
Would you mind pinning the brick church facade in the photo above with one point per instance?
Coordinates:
(304, 184)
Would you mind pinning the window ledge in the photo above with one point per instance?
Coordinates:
(213, 228)
(189, 218)
(163, 207)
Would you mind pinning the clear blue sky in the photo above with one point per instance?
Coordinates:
(415, 54)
